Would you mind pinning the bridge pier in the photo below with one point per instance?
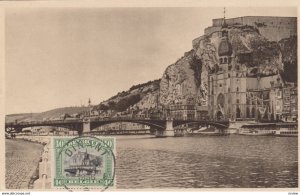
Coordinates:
(86, 126)
(168, 132)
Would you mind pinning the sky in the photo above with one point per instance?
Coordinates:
(59, 57)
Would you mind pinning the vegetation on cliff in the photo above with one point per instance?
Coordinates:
(127, 99)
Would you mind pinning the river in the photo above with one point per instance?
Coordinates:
(233, 161)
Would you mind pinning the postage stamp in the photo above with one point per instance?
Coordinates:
(84, 162)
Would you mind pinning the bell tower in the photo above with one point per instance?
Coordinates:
(225, 48)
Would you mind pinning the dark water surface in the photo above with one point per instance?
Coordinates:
(197, 162)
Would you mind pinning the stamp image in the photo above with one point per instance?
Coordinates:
(84, 162)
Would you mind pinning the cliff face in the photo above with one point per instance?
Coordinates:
(181, 81)
(186, 80)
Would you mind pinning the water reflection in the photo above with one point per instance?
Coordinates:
(196, 162)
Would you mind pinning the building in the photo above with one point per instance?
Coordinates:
(236, 95)
(188, 112)
(123, 126)
(273, 28)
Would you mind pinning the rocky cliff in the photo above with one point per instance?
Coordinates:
(186, 80)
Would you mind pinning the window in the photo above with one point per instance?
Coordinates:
(238, 112)
(228, 75)
(237, 101)
(237, 89)
(248, 112)
(279, 94)
(237, 67)
(225, 60)
(253, 112)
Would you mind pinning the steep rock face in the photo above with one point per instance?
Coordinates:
(180, 82)
(187, 79)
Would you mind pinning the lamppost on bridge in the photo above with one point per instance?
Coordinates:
(87, 120)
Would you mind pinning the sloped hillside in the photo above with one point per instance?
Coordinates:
(55, 113)
(137, 97)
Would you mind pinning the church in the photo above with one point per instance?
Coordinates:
(236, 95)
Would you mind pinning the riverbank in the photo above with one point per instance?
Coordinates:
(21, 161)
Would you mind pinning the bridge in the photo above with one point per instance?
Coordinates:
(164, 126)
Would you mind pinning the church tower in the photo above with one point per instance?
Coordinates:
(225, 47)
(220, 78)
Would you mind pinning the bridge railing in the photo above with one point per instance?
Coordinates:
(93, 119)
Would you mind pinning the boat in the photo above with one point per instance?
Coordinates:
(274, 129)
(255, 132)
(257, 129)
(286, 130)
(206, 131)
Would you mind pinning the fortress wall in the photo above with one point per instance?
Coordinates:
(273, 28)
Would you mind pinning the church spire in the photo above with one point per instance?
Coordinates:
(224, 25)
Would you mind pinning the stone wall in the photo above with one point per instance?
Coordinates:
(273, 28)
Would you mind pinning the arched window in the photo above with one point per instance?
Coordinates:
(238, 112)
(221, 100)
(221, 60)
(237, 89)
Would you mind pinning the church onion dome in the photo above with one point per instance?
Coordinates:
(225, 48)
